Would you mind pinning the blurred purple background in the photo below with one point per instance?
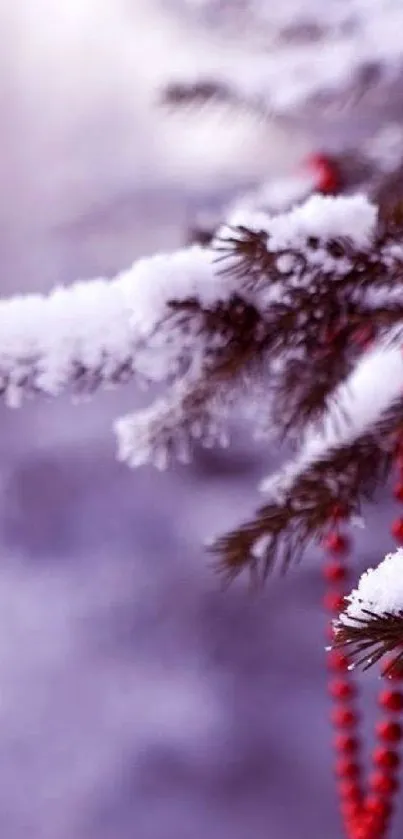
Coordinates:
(136, 698)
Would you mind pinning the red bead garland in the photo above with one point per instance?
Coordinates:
(365, 815)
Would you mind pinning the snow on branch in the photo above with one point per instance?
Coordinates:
(297, 277)
(341, 464)
(372, 622)
(102, 331)
(276, 300)
(260, 302)
(194, 410)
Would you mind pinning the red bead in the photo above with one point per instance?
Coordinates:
(325, 172)
(334, 572)
(382, 783)
(397, 530)
(390, 732)
(343, 717)
(334, 602)
(335, 543)
(337, 661)
(345, 744)
(362, 831)
(357, 832)
(377, 806)
(345, 768)
(374, 828)
(341, 689)
(350, 809)
(391, 700)
(385, 758)
(398, 491)
(350, 791)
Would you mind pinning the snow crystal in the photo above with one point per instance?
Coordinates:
(380, 590)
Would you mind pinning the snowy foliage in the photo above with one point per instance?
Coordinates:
(374, 385)
(285, 269)
(104, 331)
(93, 333)
(379, 591)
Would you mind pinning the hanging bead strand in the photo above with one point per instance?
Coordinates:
(365, 815)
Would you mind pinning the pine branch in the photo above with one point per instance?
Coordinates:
(248, 252)
(193, 411)
(197, 405)
(282, 530)
(333, 298)
(371, 624)
(102, 332)
(368, 638)
(339, 468)
(283, 307)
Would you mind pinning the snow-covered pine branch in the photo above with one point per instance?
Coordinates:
(298, 276)
(341, 464)
(372, 623)
(276, 298)
(101, 332)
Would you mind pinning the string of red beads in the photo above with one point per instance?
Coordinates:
(365, 812)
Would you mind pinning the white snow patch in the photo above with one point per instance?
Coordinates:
(379, 590)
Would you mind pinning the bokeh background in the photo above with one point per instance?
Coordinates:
(138, 700)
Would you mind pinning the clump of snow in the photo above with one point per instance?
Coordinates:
(325, 217)
(357, 405)
(94, 328)
(321, 216)
(168, 428)
(380, 590)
